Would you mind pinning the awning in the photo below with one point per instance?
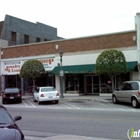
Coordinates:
(75, 69)
(132, 66)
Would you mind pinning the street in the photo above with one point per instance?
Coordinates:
(75, 117)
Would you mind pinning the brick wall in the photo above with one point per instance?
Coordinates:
(116, 40)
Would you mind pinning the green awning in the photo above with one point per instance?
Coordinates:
(75, 69)
(132, 66)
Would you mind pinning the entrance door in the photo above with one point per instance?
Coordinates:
(91, 84)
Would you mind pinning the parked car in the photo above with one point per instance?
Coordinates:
(11, 94)
(49, 93)
(8, 128)
(1, 106)
(129, 92)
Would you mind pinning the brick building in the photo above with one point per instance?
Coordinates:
(79, 58)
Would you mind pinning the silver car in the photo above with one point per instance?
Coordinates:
(129, 92)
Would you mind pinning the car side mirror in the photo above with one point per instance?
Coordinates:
(16, 118)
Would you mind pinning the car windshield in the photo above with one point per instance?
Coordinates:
(48, 89)
(4, 117)
(11, 90)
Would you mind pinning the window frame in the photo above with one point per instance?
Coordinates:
(26, 38)
(38, 39)
(13, 36)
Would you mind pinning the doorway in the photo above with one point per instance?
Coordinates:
(92, 84)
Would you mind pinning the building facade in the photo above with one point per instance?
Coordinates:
(17, 31)
(78, 61)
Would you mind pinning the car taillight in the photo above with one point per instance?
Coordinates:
(3, 95)
(57, 94)
(19, 95)
(139, 92)
(42, 95)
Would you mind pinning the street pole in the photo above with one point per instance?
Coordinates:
(61, 75)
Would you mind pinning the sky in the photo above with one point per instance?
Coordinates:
(76, 18)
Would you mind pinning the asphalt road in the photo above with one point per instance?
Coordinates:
(84, 118)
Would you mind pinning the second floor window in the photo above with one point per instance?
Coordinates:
(13, 36)
(26, 38)
(38, 39)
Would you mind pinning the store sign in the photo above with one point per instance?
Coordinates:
(48, 63)
(12, 67)
(79, 71)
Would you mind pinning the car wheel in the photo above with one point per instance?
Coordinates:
(134, 102)
(114, 99)
(56, 101)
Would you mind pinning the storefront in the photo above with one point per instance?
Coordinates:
(10, 69)
(83, 80)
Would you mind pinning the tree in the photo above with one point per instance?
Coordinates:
(32, 69)
(111, 63)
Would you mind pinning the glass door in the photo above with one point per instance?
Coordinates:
(96, 84)
(91, 84)
(88, 86)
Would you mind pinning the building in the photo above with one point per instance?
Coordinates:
(78, 61)
(17, 31)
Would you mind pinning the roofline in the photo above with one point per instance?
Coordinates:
(106, 34)
(60, 40)
(36, 23)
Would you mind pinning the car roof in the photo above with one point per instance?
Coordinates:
(47, 87)
(11, 87)
(131, 81)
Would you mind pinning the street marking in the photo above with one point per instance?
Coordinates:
(25, 104)
(112, 106)
(66, 106)
(70, 105)
(31, 103)
(124, 108)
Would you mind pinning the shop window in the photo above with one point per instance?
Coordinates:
(106, 85)
(13, 36)
(74, 83)
(26, 38)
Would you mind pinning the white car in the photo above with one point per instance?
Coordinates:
(42, 94)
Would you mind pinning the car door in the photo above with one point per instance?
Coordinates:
(127, 91)
(119, 92)
(133, 89)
